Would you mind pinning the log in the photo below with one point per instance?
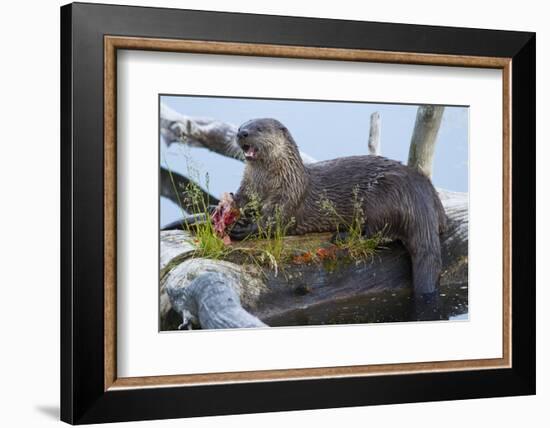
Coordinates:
(203, 292)
(211, 134)
(374, 134)
(216, 304)
(173, 185)
(375, 290)
(422, 148)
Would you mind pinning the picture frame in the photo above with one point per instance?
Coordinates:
(91, 35)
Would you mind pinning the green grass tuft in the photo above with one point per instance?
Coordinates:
(357, 246)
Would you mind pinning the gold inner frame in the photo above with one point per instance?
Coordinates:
(113, 43)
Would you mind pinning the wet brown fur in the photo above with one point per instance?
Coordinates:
(396, 199)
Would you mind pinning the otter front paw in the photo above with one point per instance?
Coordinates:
(243, 229)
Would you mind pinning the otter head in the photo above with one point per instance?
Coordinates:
(265, 140)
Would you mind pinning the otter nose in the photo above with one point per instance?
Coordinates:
(242, 134)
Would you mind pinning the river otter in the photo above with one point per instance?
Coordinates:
(395, 199)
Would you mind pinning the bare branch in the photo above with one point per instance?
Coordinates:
(173, 185)
(374, 134)
(211, 134)
(422, 148)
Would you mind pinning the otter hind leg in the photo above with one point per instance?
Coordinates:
(342, 235)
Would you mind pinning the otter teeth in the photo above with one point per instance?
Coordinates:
(250, 153)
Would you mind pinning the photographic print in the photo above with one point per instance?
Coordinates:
(278, 212)
(307, 207)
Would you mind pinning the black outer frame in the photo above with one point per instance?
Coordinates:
(83, 399)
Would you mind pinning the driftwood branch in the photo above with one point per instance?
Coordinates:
(173, 185)
(209, 293)
(374, 134)
(422, 148)
(375, 290)
(214, 135)
(211, 134)
(216, 304)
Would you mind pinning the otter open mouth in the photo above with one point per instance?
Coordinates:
(250, 152)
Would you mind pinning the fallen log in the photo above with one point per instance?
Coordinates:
(173, 186)
(205, 293)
